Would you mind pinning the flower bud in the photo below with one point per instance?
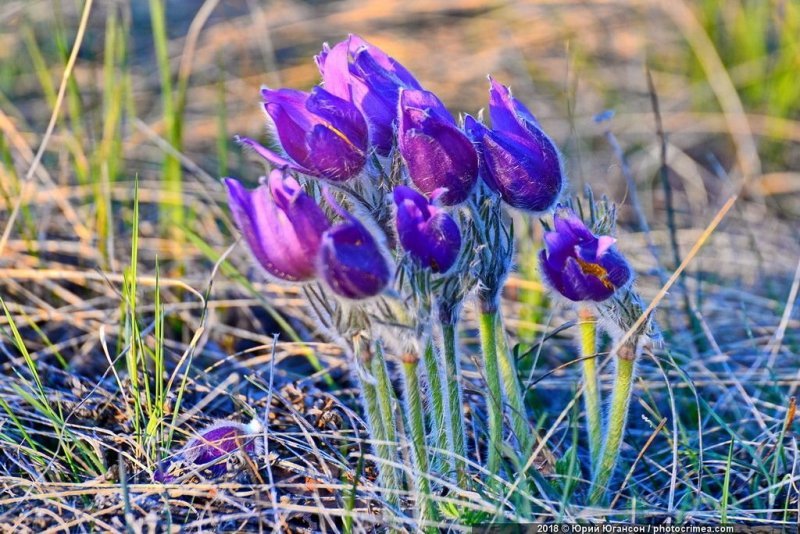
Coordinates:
(351, 261)
(579, 265)
(438, 155)
(210, 452)
(427, 233)
(363, 74)
(281, 224)
(323, 135)
(518, 160)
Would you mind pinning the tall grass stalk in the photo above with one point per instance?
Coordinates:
(107, 159)
(131, 330)
(172, 208)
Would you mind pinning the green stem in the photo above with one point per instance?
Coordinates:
(587, 326)
(377, 423)
(454, 398)
(385, 392)
(617, 418)
(516, 400)
(386, 472)
(416, 424)
(437, 394)
(494, 400)
(512, 388)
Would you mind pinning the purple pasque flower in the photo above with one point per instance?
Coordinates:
(518, 160)
(213, 452)
(362, 73)
(350, 261)
(438, 155)
(580, 265)
(323, 135)
(281, 224)
(427, 233)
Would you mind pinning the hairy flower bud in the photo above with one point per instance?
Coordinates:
(518, 160)
(211, 451)
(427, 233)
(323, 135)
(362, 73)
(281, 224)
(579, 265)
(438, 155)
(351, 261)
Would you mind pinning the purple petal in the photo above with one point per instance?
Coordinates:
(585, 286)
(507, 113)
(351, 262)
(359, 46)
(403, 193)
(526, 179)
(334, 66)
(333, 157)
(437, 154)
(284, 242)
(341, 116)
(427, 102)
(618, 271)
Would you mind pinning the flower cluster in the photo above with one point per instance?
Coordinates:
(378, 194)
(368, 107)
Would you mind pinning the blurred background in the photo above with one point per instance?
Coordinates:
(160, 88)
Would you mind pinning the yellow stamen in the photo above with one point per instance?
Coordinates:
(596, 270)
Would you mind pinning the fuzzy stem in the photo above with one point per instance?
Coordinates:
(386, 473)
(617, 418)
(494, 399)
(385, 392)
(587, 326)
(416, 424)
(454, 398)
(438, 394)
(512, 388)
(516, 400)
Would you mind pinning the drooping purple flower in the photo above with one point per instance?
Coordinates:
(362, 73)
(438, 155)
(212, 452)
(350, 260)
(323, 135)
(281, 224)
(580, 265)
(427, 233)
(518, 160)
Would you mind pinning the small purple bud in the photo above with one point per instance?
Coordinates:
(209, 451)
(323, 135)
(281, 224)
(427, 233)
(351, 261)
(518, 160)
(437, 154)
(363, 74)
(578, 264)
